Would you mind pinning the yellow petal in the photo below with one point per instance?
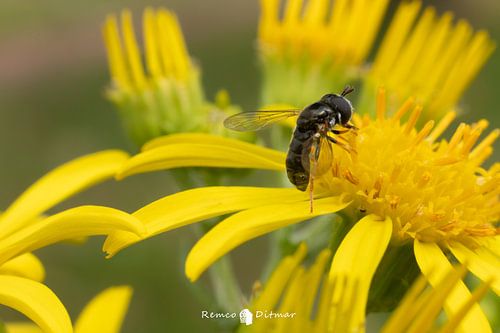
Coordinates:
(408, 308)
(196, 205)
(208, 139)
(274, 287)
(434, 265)
(59, 184)
(26, 265)
(35, 301)
(21, 327)
(480, 262)
(105, 313)
(315, 276)
(201, 150)
(71, 223)
(435, 301)
(249, 224)
(357, 259)
(454, 321)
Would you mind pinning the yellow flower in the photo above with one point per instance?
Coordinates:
(431, 199)
(103, 314)
(24, 228)
(313, 49)
(319, 301)
(430, 58)
(165, 96)
(318, 50)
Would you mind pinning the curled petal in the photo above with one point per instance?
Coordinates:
(71, 223)
(26, 265)
(201, 150)
(35, 301)
(434, 265)
(105, 313)
(249, 224)
(59, 184)
(177, 210)
(22, 327)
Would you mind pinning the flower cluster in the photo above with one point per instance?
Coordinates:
(162, 93)
(401, 187)
(402, 202)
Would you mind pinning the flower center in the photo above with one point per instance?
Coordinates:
(433, 191)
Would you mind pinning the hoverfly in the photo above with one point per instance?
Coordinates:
(310, 139)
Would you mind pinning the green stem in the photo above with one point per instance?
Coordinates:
(395, 274)
(226, 289)
(227, 292)
(279, 246)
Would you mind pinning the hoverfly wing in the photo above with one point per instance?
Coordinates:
(256, 120)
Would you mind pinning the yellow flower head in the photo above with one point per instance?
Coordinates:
(315, 48)
(306, 299)
(164, 95)
(431, 58)
(342, 35)
(433, 190)
(400, 192)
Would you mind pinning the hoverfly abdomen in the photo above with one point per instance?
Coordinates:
(295, 169)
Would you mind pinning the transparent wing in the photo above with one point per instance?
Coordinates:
(256, 120)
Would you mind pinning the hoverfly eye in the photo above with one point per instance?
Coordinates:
(345, 110)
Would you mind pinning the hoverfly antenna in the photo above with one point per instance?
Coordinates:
(347, 90)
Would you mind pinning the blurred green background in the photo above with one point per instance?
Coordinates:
(52, 76)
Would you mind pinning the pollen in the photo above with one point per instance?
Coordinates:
(433, 189)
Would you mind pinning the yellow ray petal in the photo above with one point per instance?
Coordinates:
(35, 301)
(480, 263)
(434, 266)
(453, 322)
(105, 313)
(177, 210)
(249, 224)
(71, 223)
(132, 50)
(492, 245)
(227, 153)
(274, 287)
(209, 139)
(408, 308)
(370, 235)
(21, 327)
(314, 278)
(435, 300)
(116, 58)
(26, 265)
(59, 184)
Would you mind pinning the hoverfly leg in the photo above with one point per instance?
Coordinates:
(339, 131)
(350, 126)
(313, 163)
(343, 145)
(311, 190)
